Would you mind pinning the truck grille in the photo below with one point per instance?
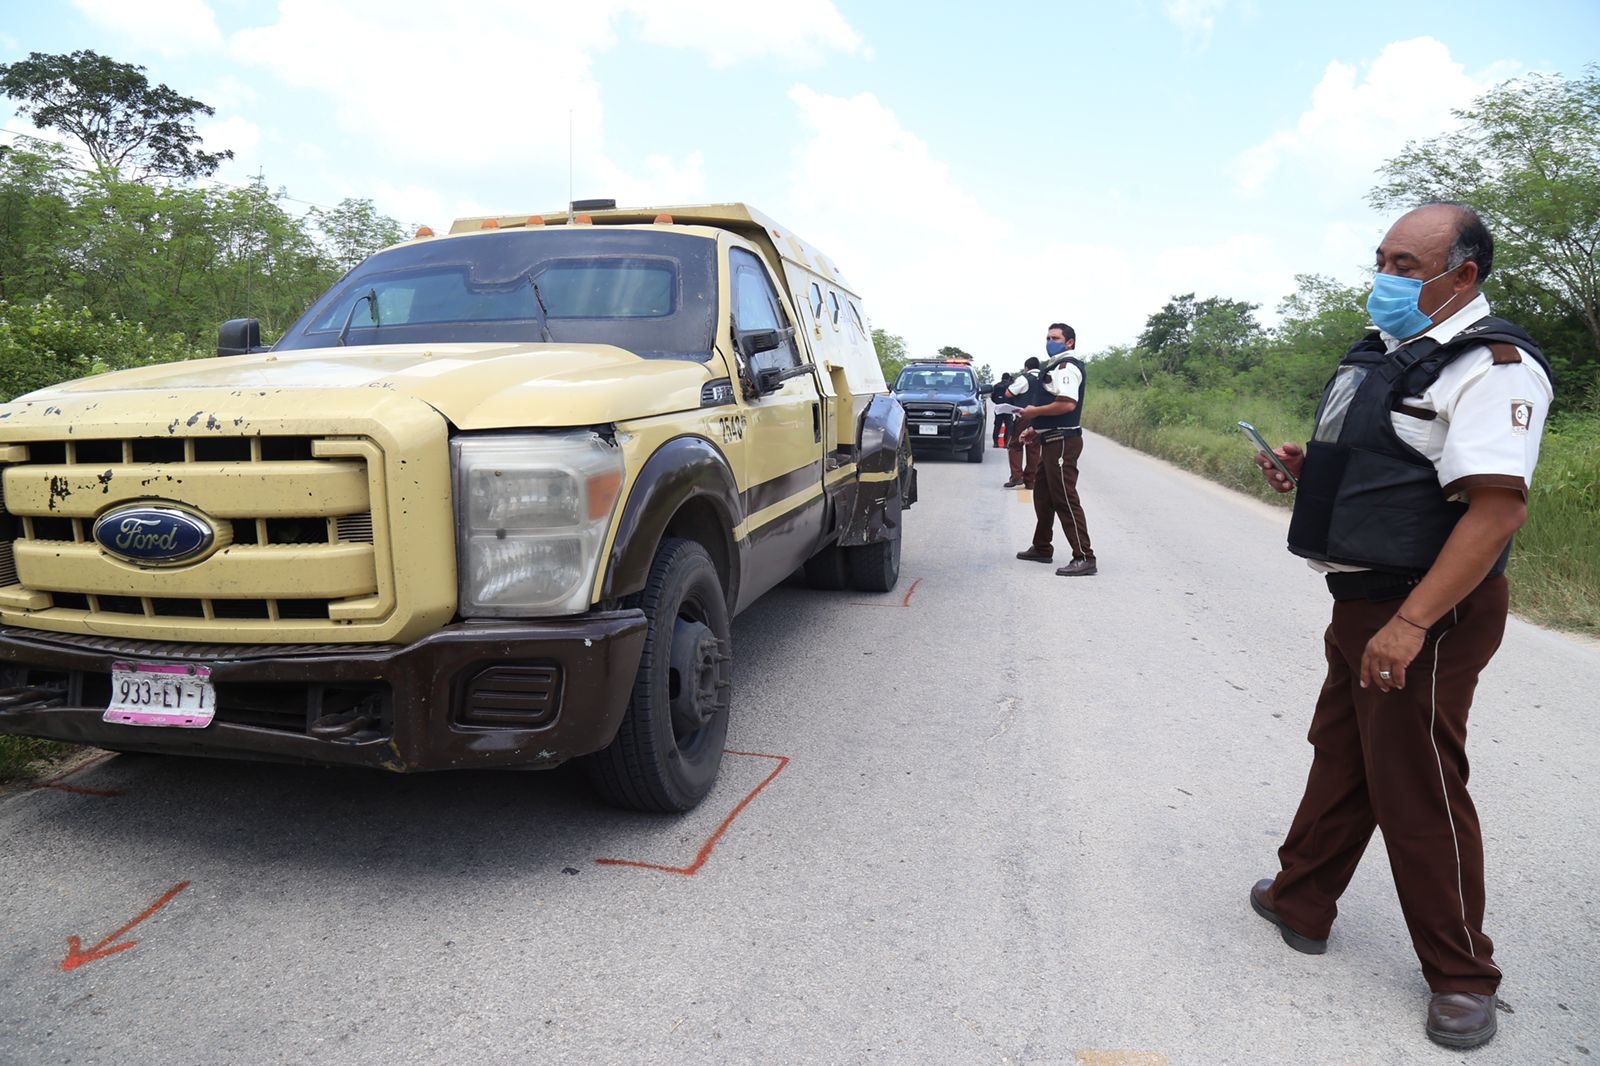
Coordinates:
(943, 413)
(292, 514)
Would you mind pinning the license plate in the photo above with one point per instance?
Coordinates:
(927, 430)
(162, 694)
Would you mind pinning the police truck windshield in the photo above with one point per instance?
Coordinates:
(651, 293)
(921, 379)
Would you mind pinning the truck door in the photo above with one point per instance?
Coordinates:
(782, 489)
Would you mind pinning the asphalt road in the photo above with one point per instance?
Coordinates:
(1006, 818)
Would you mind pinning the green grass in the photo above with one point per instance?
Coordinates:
(24, 758)
(1555, 564)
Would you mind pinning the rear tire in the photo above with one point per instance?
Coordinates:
(875, 567)
(828, 570)
(666, 753)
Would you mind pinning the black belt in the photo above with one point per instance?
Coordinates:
(1048, 435)
(1369, 585)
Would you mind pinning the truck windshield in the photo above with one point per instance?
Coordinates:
(935, 380)
(651, 293)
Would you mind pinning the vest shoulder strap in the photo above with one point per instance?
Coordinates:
(1427, 360)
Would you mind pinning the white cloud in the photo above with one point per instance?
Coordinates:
(242, 136)
(1196, 18)
(664, 181)
(1357, 122)
(731, 31)
(934, 263)
(513, 87)
(495, 87)
(166, 27)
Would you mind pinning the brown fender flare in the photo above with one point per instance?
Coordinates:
(687, 487)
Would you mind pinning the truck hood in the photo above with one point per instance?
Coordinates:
(475, 386)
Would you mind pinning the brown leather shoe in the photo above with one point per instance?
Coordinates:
(1035, 556)
(1461, 1019)
(1302, 944)
(1078, 568)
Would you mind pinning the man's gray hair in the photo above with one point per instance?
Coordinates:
(1473, 242)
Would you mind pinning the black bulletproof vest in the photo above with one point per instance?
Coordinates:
(1366, 498)
(1071, 419)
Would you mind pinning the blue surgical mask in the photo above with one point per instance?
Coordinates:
(1393, 305)
(1054, 348)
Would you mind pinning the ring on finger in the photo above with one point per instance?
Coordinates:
(1386, 675)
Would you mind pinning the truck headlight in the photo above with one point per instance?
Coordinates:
(531, 519)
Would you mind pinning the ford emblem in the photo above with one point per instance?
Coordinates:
(154, 536)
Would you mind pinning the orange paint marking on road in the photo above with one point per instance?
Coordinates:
(905, 601)
(1120, 1058)
(716, 837)
(79, 790)
(77, 957)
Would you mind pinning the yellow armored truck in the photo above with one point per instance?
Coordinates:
(491, 502)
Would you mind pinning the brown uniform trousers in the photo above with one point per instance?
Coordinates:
(1024, 457)
(1398, 761)
(1055, 497)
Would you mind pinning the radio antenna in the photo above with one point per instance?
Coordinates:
(569, 166)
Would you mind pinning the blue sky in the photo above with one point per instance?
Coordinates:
(977, 170)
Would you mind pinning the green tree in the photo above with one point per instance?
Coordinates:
(1200, 339)
(36, 208)
(1318, 322)
(892, 355)
(43, 343)
(952, 352)
(1528, 161)
(123, 122)
(354, 230)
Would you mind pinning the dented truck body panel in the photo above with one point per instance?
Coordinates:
(291, 525)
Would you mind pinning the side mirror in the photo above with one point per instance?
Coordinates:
(756, 341)
(239, 336)
(768, 380)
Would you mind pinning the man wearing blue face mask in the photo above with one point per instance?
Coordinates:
(1051, 415)
(1410, 490)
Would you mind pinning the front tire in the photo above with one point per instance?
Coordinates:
(979, 447)
(667, 751)
(874, 567)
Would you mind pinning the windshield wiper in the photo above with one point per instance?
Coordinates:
(544, 315)
(371, 297)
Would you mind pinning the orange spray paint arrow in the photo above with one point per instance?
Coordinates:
(76, 956)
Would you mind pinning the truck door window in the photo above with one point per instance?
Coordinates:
(755, 306)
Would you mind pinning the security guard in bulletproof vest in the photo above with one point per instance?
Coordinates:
(1052, 416)
(1409, 493)
(1023, 455)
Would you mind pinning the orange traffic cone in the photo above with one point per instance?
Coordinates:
(1002, 436)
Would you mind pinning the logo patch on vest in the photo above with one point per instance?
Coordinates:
(1521, 416)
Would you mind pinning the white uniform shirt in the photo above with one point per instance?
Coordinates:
(1065, 380)
(1488, 419)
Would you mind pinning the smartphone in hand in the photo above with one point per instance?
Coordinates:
(1254, 437)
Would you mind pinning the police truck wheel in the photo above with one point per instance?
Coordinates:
(669, 746)
(976, 452)
(875, 567)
